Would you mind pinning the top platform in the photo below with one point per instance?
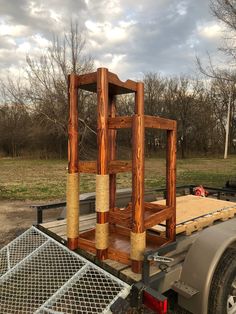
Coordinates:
(88, 82)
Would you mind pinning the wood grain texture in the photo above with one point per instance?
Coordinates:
(73, 126)
(102, 141)
(158, 123)
(73, 207)
(112, 155)
(171, 182)
(124, 122)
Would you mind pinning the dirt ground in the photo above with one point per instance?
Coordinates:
(17, 216)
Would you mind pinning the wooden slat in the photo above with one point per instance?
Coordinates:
(159, 123)
(159, 217)
(153, 206)
(116, 166)
(88, 167)
(119, 87)
(124, 122)
(87, 81)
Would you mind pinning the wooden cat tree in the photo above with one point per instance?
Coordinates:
(120, 234)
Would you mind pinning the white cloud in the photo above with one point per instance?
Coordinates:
(210, 30)
(12, 30)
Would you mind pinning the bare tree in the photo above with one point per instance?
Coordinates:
(45, 94)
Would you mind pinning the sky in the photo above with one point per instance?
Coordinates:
(128, 37)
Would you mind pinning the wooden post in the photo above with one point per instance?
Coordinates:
(112, 153)
(171, 182)
(73, 176)
(102, 178)
(138, 234)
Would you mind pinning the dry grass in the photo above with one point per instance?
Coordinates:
(22, 179)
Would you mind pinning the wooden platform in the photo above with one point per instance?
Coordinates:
(193, 213)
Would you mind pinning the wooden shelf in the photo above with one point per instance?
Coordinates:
(119, 243)
(88, 82)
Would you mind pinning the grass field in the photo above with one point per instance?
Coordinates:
(27, 179)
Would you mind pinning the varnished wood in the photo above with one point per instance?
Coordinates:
(102, 135)
(114, 166)
(117, 166)
(158, 123)
(171, 183)
(138, 162)
(141, 216)
(157, 218)
(124, 122)
(118, 87)
(102, 217)
(73, 126)
(112, 155)
(88, 82)
(136, 266)
(153, 206)
(138, 133)
(73, 143)
(88, 167)
(72, 243)
(102, 121)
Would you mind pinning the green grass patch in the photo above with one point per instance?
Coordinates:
(27, 179)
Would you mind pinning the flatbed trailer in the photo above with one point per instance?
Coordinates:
(190, 267)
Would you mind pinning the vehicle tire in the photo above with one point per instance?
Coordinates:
(222, 298)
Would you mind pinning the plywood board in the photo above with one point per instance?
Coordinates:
(189, 207)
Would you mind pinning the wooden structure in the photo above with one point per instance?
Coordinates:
(124, 234)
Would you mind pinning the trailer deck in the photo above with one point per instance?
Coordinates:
(193, 214)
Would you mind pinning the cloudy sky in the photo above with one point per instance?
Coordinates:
(129, 37)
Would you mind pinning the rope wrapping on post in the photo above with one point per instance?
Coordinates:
(72, 203)
(102, 207)
(102, 193)
(102, 236)
(138, 245)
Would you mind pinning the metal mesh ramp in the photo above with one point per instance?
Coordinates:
(39, 275)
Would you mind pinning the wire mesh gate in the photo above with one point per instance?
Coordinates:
(39, 275)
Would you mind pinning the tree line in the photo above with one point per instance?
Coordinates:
(34, 109)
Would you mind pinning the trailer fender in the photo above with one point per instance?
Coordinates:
(201, 261)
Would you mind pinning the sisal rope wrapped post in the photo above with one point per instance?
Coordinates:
(102, 178)
(72, 201)
(72, 210)
(138, 234)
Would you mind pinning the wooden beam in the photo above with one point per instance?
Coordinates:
(72, 210)
(112, 154)
(124, 122)
(171, 182)
(159, 123)
(159, 217)
(154, 207)
(102, 142)
(114, 166)
(138, 134)
(119, 87)
(117, 166)
(88, 167)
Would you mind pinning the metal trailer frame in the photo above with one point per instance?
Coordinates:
(178, 275)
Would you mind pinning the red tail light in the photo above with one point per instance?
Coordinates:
(159, 306)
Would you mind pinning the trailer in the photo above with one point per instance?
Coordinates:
(198, 269)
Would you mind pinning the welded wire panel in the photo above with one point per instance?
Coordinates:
(19, 249)
(90, 292)
(52, 279)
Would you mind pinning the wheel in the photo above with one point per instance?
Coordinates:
(222, 298)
